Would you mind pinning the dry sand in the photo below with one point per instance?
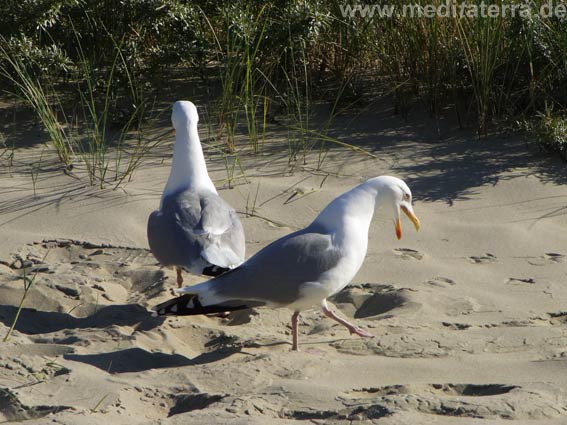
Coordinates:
(470, 314)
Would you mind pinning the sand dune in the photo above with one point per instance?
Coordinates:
(469, 314)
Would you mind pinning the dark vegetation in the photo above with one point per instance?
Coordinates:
(92, 70)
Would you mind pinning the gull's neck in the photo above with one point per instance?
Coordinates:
(350, 214)
(188, 169)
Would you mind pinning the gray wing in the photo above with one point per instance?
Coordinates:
(277, 272)
(193, 231)
(225, 242)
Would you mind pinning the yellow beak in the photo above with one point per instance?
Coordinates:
(413, 219)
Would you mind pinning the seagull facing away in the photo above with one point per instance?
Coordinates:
(194, 229)
(301, 270)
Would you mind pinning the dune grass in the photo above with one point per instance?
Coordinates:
(271, 62)
(27, 86)
(86, 136)
(28, 283)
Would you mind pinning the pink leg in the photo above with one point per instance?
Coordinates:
(294, 320)
(351, 328)
(179, 278)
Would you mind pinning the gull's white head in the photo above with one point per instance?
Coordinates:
(395, 195)
(184, 114)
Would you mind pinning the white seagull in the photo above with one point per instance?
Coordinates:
(194, 229)
(301, 270)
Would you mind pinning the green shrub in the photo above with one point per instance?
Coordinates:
(549, 131)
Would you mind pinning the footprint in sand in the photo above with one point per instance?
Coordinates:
(487, 401)
(77, 276)
(520, 281)
(14, 410)
(483, 259)
(558, 318)
(554, 257)
(439, 390)
(547, 258)
(408, 254)
(382, 300)
(442, 282)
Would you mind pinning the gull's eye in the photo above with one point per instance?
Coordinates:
(406, 197)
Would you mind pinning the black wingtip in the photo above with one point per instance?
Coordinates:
(171, 307)
(189, 305)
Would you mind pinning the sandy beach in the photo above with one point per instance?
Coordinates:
(469, 315)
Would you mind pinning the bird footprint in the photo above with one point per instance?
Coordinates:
(548, 258)
(521, 281)
(408, 253)
(483, 259)
(443, 282)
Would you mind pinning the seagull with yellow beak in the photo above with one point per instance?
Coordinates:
(301, 270)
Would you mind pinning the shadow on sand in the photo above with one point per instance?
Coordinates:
(33, 322)
(139, 360)
(441, 162)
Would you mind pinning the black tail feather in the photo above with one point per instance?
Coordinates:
(214, 271)
(189, 305)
